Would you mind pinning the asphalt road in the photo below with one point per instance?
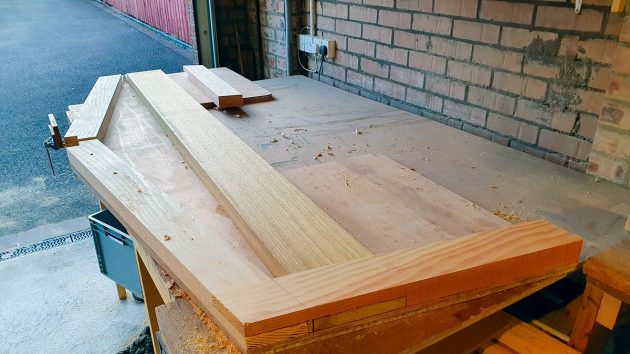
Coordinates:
(51, 53)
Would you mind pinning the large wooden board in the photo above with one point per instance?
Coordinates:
(186, 247)
(387, 206)
(92, 120)
(419, 275)
(287, 230)
(220, 92)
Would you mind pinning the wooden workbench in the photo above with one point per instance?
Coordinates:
(297, 126)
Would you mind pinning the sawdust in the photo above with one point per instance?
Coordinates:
(511, 217)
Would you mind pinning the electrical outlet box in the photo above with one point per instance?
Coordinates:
(310, 44)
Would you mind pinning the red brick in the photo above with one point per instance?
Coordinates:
(497, 58)
(325, 23)
(394, 19)
(490, 99)
(334, 10)
(392, 55)
(615, 114)
(424, 99)
(411, 40)
(382, 3)
(599, 50)
(463, 8)
(521, 38)
(475, 31)
(621, 62)
(464, 112)
(474, 74)
(600, 77)
(377, 33)
(348, 28)
(533, 112)
(334, 71)
(361, 47)
(360, 80)
(347, 60)
(512, 127)
(427, 62)
(361, 13)
(374, 68)
(619, 87)
(519, 85)
(449, 48)
(406, 76)
(432, 24)
(614, 143)
(563, 121)
(565, 18)
(614, 25)
(624, 33)
(340, 39)
(445, 87)
(504, 11)
(415, 5)
(590, 101)
(608, 168)
(564, 144)
(390, 89)
(540, 69)
(588, 125)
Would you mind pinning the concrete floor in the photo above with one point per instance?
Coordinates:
(56, 301)
(52, 53)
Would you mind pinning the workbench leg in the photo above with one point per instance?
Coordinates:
(122, 292)
(591, 301)
(152, 299)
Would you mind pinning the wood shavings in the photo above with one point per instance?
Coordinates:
(511, 217)
(167, 237)
(273, 140)
(357, 132)
(115, 173)
(318, 155)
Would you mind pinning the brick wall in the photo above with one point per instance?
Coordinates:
(530, 75)
(231, 17)
(610, 158)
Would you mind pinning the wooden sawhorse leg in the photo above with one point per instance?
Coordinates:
(597, 307)
(122, 292)
(152, 299)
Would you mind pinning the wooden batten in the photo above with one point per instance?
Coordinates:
(220, 92)
(287, 230)
(92, 120)
(477, 262)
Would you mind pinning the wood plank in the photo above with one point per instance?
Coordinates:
(287, 230)
(618, 6)
(412, 331)
(199, 260)
(358, 314)
(182, 80)
(221, 93)
(608, 311)
(497, 348)
(525, 338)
(92, 120)
(611, 268)
(387, 206)
(252, 92)
(56, 134)
(476, 262)
(152, 299)
(591, 300)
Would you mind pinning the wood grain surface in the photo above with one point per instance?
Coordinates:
(220, 92)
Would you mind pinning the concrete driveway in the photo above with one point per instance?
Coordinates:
(52, 52)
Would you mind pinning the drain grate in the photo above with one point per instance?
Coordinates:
(45, 244)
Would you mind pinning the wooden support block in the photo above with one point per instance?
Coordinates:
(287, 230)
(221, 93)
(618, 6)
(610, 270)
(524, 338)
(608, 311)
(92, 120)
(591, 301)
(152, 300)
(252, 92)
(122, 292)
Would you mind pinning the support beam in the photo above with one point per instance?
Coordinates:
(287, 230)
(220, 92)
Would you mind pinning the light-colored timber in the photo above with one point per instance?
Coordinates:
(252, 92)
(479, 261)
(288, 230)
(92, 120)
(220, 92)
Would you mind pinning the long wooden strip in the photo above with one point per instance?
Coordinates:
(287, 229)
(480, 261)
(185, 247)
(92, 120)
(252, 92)
(219, 91)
